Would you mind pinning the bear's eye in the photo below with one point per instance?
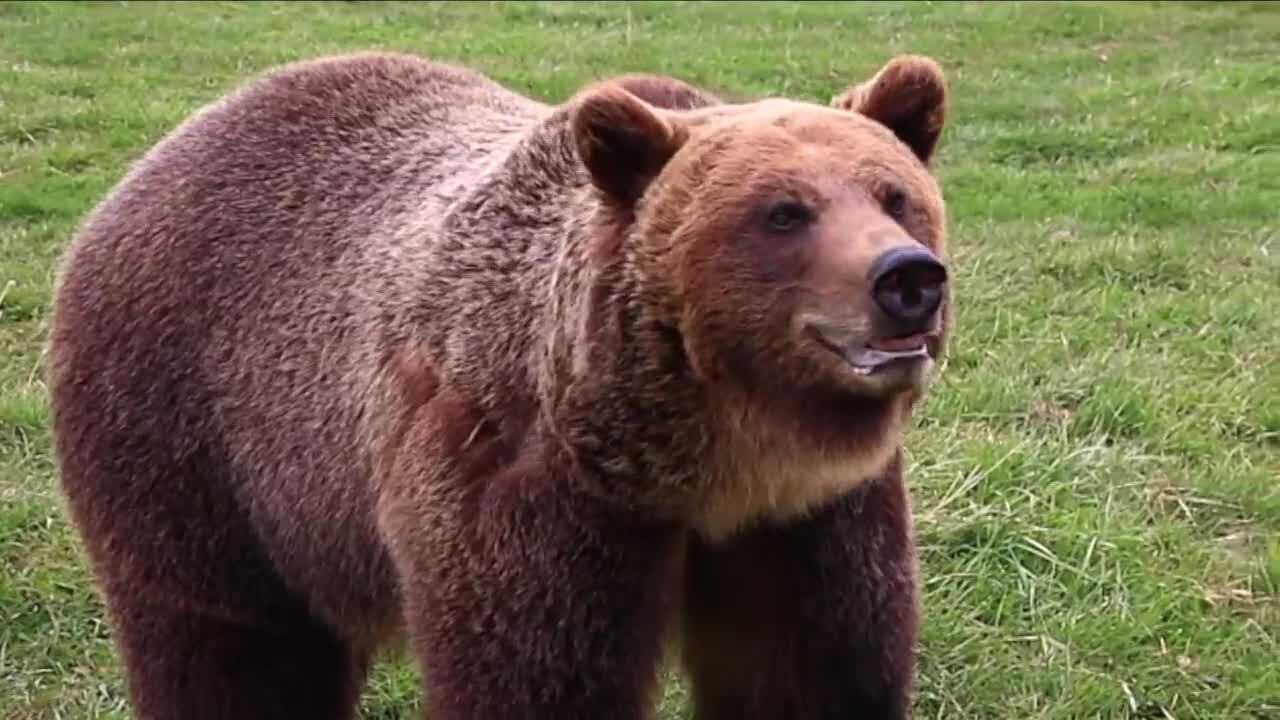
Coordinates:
(895, 203)
(788, 216)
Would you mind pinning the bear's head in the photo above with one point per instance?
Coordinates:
(797, 249)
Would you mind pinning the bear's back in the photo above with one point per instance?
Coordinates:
(215, 305)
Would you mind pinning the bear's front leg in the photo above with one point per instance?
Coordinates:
(812, 619)
(525, 597)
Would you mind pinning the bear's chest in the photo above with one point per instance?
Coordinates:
(750, 484)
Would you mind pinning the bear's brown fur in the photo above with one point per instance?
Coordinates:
(377, 345)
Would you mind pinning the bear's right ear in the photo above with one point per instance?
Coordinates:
(623, 142)
(909, 96)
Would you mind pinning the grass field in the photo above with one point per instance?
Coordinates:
(1097, 475)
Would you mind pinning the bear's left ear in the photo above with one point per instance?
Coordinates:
(623, 141)
(909, 96)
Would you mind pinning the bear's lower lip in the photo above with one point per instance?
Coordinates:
(877, 355)
(869, 360)
(908, 343)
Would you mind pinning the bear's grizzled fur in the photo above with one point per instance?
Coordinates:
(377, 347)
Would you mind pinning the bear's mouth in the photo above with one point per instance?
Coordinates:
(877, 355)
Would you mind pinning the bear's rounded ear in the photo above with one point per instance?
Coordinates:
(909, 96)
(623, 141)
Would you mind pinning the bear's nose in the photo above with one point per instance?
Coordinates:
(907, 283)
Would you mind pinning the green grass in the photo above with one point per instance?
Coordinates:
(1097, 476)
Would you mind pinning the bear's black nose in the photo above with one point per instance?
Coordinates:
(907, 283)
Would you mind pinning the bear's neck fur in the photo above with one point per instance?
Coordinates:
(614, 389)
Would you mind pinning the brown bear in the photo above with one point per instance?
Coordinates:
(375, 347)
